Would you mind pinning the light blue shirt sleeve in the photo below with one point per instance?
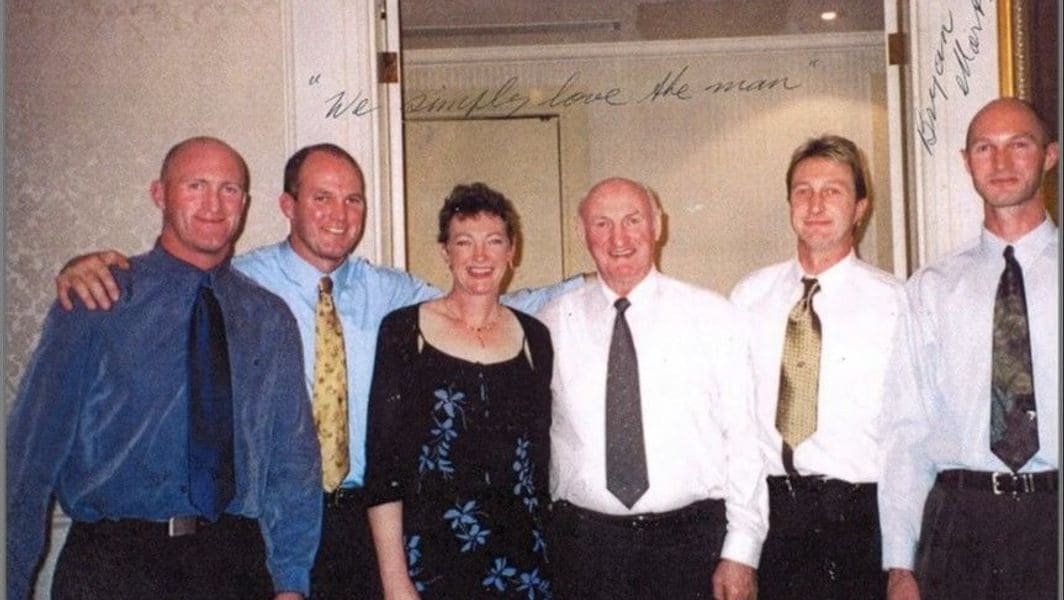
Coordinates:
(364, 294)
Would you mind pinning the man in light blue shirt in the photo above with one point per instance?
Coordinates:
(324, 201)
(989, 522)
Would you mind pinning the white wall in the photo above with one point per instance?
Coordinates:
(709, 124)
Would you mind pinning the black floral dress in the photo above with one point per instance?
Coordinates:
(465, 446)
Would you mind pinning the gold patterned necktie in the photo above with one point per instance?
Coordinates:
(799, 374)
(1013, 418)
(330, 389)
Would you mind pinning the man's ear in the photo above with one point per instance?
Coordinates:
(287, 204)
(158, 193)
(1052, 156)
(861, 208)
(964, 158)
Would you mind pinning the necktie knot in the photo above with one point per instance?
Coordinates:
(812, 286)
(325, 286)
(1010, 253)
(622, 305)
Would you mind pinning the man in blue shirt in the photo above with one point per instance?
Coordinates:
(104, 420)
(324, 201)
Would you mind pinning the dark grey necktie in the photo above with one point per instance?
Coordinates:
(626, 462)
(1013, 420)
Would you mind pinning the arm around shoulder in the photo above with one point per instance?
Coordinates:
(89, 278)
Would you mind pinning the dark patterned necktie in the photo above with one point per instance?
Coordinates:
(626, 461)
(210, 409)
(1013, 420)
(799, 374)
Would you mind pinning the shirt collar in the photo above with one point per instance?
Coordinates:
(183, 272)
(828, 279)
(641, 293)
(1026, 248)
(306, 276)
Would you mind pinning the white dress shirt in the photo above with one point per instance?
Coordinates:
(943, 420)
(696, 392)
(859, 308)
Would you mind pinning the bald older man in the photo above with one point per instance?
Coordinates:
(656, 474)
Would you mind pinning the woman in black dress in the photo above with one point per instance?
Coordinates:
(459, 419)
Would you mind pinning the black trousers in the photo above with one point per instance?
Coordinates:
(345, 567)
(138, 559)
(667, 555)
(823, 541)
(978, 545)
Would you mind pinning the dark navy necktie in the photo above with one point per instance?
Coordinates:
(1013, 419)
(210, 409)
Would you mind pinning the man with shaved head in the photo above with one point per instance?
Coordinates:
(174, 429)
(973, 440)
(656, 474)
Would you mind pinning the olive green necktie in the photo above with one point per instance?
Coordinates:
(799, 374)
(1013, 420)
(330, 389)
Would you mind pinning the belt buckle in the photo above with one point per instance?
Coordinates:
(995, 483)
(179, 526)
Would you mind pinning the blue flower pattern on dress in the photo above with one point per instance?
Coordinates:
(502, 577)
(466, 525)
(413, 557)
(525, 487)
(435, 455)
(499, 575)
(465, 518)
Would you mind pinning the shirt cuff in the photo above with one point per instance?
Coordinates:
(742, 547)
(898, 556)
(295, 581)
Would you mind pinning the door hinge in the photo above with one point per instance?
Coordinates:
(388, 67)
(896, 49)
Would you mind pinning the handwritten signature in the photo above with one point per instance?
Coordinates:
(509, 98)
(956, 49)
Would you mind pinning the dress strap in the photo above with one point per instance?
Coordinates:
(527, 350)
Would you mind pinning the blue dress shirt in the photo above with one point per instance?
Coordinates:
(941, 397)
(363, 294)
(101, 418)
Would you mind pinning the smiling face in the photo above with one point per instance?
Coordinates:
(202, 193)
(1007, 155)
(327, 211)
(478, 253)
(621, 227)
(825, 211)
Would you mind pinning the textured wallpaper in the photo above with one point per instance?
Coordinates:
(97, 92)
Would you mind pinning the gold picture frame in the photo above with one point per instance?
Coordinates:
(1014, 74)
(1013, 56)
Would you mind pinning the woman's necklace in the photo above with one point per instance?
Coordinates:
(479, 332)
